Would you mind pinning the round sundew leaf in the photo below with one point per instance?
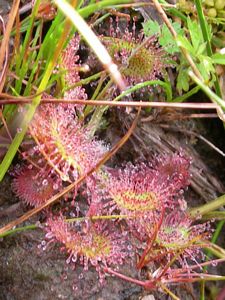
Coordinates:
(30, 186)
(138, 64)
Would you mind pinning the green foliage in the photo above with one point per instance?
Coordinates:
(166, 39)
(195, 45)
(218, 58)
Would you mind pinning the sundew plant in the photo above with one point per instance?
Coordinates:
(75, 70)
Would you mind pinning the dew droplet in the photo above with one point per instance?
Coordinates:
(19, 130)
(20, 109)
(74, 259)
(68, 260)
(64, 276)
(55, 186)
(45, 182)
(75, 287)
(129, 247)
(64, 177)
(214, 263)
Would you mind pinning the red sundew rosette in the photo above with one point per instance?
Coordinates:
(95, 244)
(64, 142)
(146, 190)
(137, 64)
(32, 187)
(178, 236)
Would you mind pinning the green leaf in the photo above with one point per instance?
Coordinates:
(206, 67)
(166, 40)
(195, 33)
(182, 80)
(177, 28)
(218, 58)
(201, 49)
(151, 28)
(184, 42)
(166, 35)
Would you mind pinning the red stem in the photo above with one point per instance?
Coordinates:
(20, 100)
(124, 277)
(142, 260)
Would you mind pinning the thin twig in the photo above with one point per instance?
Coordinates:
(8, 99)
(183, 117)
(6, 53)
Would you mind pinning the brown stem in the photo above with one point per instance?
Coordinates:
(5, 41)
(8, 99)
(126, 278)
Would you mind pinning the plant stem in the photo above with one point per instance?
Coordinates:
(218, 215)
(95, 120)
(5, 41)
(84, 81)
(167, 291)
(20, 229)
(208, 207)
(215, 98)
(93, 218)
(34, 226)
(187, 95)
(25, 100)
(87, 10)
(174, 34)
(214, 249)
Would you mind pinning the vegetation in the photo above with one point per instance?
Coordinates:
(55, 107)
